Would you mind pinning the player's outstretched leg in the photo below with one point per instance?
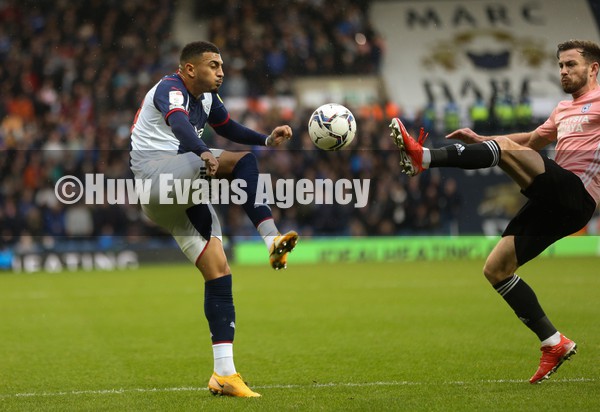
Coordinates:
(411, 150)
(232, 385)
(553, 357)
(414, 158)
(282, 245)
(278, 245)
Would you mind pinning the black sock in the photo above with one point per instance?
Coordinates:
(522, 299)
(219, 309)
(472, 156)
(247, 170)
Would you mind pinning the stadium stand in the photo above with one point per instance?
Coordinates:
(72, 76)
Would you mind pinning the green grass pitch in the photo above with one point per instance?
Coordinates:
(372, 336)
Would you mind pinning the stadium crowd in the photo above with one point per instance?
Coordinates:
(267, 43)
(72, 78)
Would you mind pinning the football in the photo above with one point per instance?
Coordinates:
(332, 127)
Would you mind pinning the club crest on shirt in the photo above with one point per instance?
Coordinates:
(586, 108)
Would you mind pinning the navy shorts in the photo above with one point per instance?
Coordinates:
(558, 205)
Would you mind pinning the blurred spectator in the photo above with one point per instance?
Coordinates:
(451, 117)
(480, 116)
(450, 206)
(504, 114)
(79, 222)
(524, 114)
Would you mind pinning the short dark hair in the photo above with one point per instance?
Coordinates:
(588, 49)
(196, 49)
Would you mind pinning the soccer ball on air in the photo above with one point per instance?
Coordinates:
(332, 127)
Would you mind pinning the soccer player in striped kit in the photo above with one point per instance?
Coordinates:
(562, 193)
(166, 140)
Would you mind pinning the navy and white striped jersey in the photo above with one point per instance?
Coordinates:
(151, 135)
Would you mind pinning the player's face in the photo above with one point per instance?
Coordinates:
(575, 73)
(208, 73)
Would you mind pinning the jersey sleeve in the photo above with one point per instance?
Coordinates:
(218, 113)
(548, 130)
(171, 96)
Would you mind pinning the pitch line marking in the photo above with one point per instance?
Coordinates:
(291, 386)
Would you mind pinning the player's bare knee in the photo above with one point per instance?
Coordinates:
(213, 262)
(223, 271)
(495, 272)
(214, 271)
(507, 146)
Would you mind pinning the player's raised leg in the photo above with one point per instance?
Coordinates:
(411, 150)
(414, 158)
(279, 249)
(243, 165)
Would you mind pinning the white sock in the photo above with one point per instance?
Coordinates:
(426, 158)
(223, 356)
(552, 340)
(268, 231)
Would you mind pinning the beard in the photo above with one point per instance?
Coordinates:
(574, 85)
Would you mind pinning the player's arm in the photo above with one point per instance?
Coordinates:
(222, 123)
(238, 133)
(185, 133)
(232, 130)
(279, 135)
(170, 98)
(533, 140)
(536, 139)
(190, 142)
(528, 139)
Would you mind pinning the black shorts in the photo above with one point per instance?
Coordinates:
(558, 206)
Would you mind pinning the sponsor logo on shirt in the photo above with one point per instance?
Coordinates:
(572, 124)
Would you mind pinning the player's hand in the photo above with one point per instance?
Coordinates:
(466, 135)
(279, 135)
(212, 164)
